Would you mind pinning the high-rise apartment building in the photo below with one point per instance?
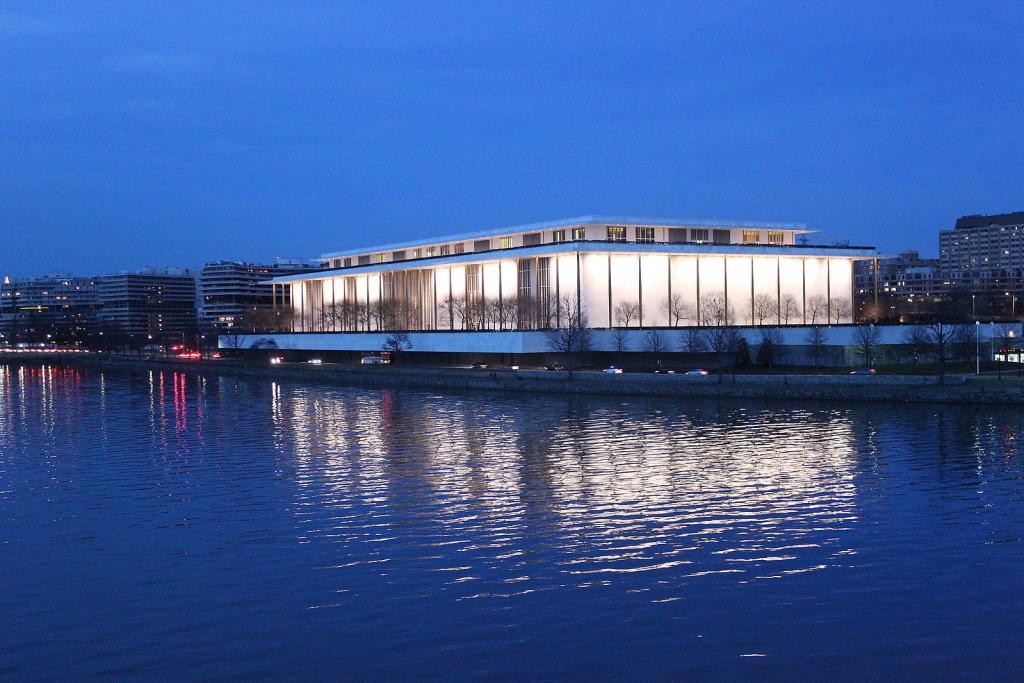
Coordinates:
(232, 291)
(154, 301)
(55, 307)
(984, 253)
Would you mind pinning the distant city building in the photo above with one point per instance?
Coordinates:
(899, 288)
(154, 301)
(61, 306)
(232, 290)
(984, 253)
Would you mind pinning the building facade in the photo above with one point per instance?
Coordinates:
(903, 288)
(233, 293)
(984, 253)
(157, 302)
(53, 307)
(613, 272)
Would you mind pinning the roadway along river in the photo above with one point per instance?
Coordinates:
(158, 525)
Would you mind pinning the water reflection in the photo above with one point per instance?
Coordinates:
(449, 523)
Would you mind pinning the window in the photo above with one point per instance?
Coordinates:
(645, 235)
(398, 255)
(776, 237)
(348, 261)
(458, 248)
(505, 242)
(751, 236)
(481, 245)
(699, 235)
(558, 235)
(721, 236)
(431, 251)
(417, 253)
(445, 250)
(677, 234)
(364, 260)
(378, 258)
(531, 239)
(579, 233)
(616, 233)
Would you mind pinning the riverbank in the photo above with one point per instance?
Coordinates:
(893, 388)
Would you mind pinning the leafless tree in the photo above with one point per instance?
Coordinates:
(715, 311)
(396, 343)
(233, 342)
(918, 339)
(839, 308)
(940, 337)
(770, 347)
(572, 336)
(491, 314)
(865, 342)
(816, 308)
(680, 312)
(964, 341)
(453, 310)
(620, 341)
(654, 342)
(722, 338)
(816, 340)
(789, 308)
(765, 307)
(626, 312)
(692, 340)
(260, 320)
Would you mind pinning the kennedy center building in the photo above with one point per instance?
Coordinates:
(508, 284)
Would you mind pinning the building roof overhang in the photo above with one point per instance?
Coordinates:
(587, 247)
(565, 223)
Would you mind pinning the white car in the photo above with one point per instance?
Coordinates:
(699, 372)
(315, 361)
(374, 360)
(275, 360)
(612, 370)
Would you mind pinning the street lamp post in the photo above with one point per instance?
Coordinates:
(977, 338)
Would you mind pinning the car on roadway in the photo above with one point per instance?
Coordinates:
(612, 370)
(864, 371)
(696, 372)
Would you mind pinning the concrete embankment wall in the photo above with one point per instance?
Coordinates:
(819, 387)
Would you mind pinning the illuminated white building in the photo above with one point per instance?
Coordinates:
(621, 272)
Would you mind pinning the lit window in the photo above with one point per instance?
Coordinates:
(699, 235)
(459, 248)
(645, 235)
(445, 250)
(616, 233)
(579, 234)
(506, 242)
(558, 235)
(776, 237)
(379, 258)
(751, 236)
(431, 251)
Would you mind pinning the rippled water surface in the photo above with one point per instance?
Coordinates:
(163, 525)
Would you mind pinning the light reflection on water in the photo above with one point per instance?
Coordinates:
(161, 524)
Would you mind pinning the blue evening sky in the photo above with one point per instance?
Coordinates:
(172, 133)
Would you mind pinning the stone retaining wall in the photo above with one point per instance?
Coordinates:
(817, 387)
